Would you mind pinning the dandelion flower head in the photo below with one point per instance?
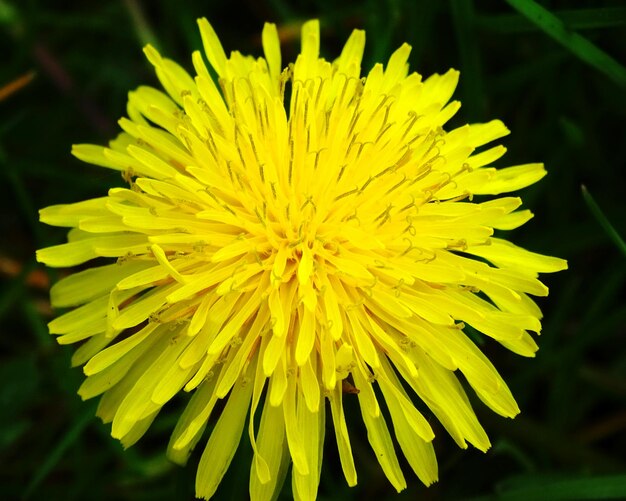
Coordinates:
(293, 236)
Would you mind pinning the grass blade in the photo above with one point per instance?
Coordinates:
(140, 23)
(577, 19)
(538, 489)
(56, 454)
(600, 487)
(604, 222)
(473, 95)
(577, 44)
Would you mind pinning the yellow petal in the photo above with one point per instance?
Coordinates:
(311, 425)
(71, 214)
(212, 46)
(112, 354)
(507, 255)
(295, 437)
(194, 419)
(349, 62)
(80, 251)
(223, 441)
(380, 439)
(341, 436)
(310, 384)
(510, 179)
(272, 447)
(271, 48)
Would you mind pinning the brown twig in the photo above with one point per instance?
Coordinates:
(16, 85)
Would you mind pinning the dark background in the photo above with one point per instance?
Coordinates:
(73, 65)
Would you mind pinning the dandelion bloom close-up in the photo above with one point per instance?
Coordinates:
(293, 236)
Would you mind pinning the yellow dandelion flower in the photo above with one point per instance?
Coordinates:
(290, 237)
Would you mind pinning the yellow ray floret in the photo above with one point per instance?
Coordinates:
(273, 253)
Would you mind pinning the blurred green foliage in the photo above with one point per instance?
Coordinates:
(552, 70)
